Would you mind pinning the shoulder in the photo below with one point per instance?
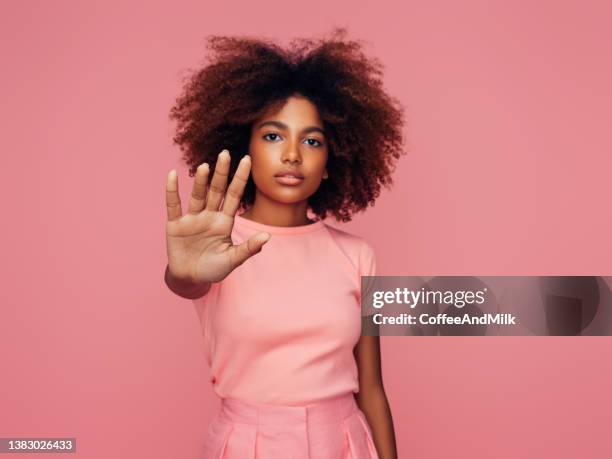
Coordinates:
(349, 241)
(357, 249)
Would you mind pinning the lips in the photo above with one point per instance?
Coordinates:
(289, 178)
(288, 174)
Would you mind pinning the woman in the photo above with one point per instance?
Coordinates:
(303, 129)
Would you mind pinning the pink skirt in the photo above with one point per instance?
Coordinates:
(332, 429)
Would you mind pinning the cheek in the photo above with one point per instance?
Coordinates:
(260, 172)
(262, 161)
(263, 169)
(314, 170)
(315, 165)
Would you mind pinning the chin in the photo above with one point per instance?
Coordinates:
(288, 195)
(289, 198)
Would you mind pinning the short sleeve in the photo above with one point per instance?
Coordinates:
(203, 303)
(199, 306)
(202, 306)
(367, 267)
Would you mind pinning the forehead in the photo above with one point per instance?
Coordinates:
(296, 111)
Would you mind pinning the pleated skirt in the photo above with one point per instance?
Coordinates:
(331, 429)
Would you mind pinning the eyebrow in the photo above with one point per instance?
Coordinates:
(280, 125)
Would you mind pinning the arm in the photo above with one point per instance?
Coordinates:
(185, 288)
(371, 397)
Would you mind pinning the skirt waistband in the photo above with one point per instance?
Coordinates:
(326, 411)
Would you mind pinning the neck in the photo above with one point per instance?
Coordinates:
(274, 213)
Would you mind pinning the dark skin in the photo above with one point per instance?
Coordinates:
(290, 139)
(200, 249)
(371, 398)
(294, 136)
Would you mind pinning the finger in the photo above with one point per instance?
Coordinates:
(240, 253)
(198, 193)
(219, 181)
(173, 200)
(236, 188)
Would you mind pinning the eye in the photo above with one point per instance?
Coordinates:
(271, 137)
(313, 142)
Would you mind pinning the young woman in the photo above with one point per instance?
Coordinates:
(307, 129)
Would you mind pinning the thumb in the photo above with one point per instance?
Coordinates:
(240, 253)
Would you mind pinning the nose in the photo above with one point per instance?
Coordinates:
(292, 153)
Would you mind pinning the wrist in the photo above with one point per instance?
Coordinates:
(186, 286)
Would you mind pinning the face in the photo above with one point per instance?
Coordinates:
(288, 151)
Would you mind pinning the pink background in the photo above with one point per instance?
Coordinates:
(508, 172)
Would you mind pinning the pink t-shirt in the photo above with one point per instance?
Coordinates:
(280, 329)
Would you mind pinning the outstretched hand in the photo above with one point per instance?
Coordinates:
(199, 243)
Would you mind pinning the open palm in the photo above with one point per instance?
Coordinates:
(199, 243)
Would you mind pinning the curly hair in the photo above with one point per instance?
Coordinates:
(244, 77)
